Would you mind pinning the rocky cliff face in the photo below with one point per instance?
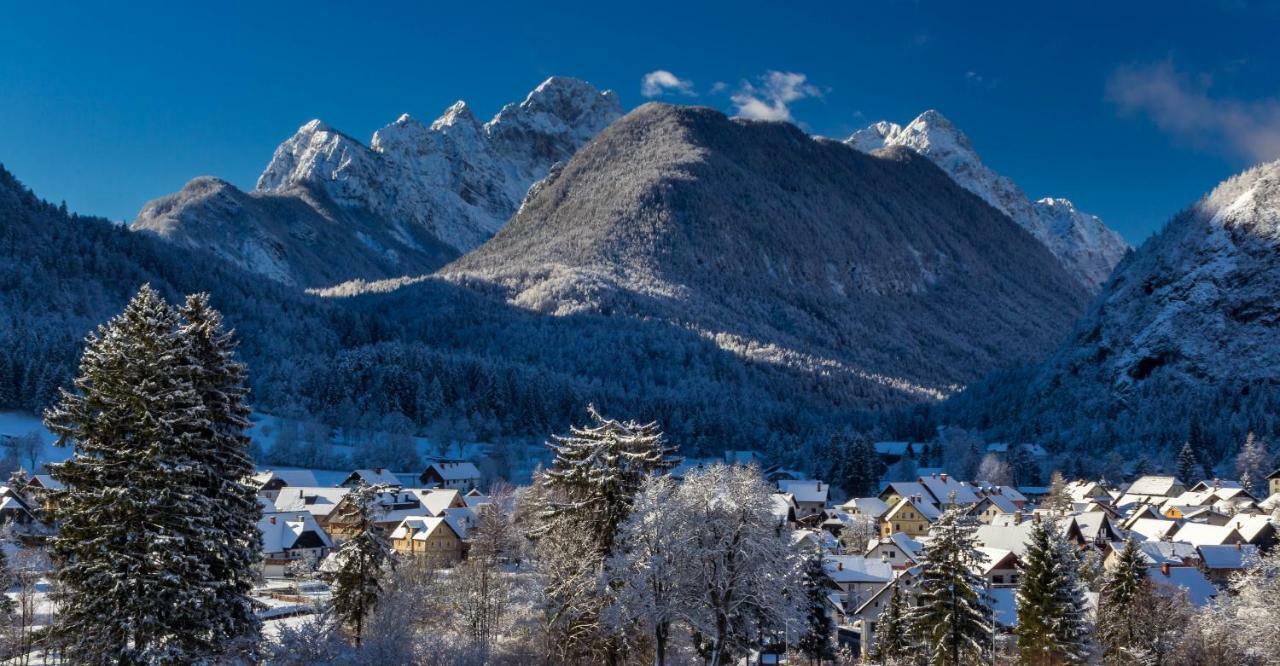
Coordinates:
(1085, 246)
(329, 209)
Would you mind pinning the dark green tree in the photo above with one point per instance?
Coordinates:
(892, 636)
(949, 618)
(1052, 627)
(1188, 466)
(362, 561)
(1122, 628)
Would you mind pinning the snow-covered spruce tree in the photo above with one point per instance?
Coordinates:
(893, 634)
(949, 618)
(135, 583)
(650, 548)
(1188, 468)
(739, 581)
(1253, 462)
(587, 493)
(1121, 626)
(219, 382)
(817, 642)
(1052, 627)
(362, 560)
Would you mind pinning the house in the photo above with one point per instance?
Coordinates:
(999, 567)
(1151, 489)
(783, 508)
(1096, 527)
(992, 506)
(856, 577)
(911, 516)
(871, 507)
(269, 483)
(892, 452)
(1220, 562)
(1154, 553)
(946, 490)
(433, 539)
(864, 617)
(810, 496)
(371, 477)
(1256, 530)
(1015, 537)
(319, 502)
(1273, 482)
(1086, 491)
(899, 550)
(288, 537)
(15, 508)
(455, 474)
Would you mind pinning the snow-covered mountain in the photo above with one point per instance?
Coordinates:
(785, 250)
(1085, 246)
(1188, 325)
(419, 194)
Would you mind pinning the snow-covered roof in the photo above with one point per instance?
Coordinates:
(806, 490)
(1227, 557)
(1002, 503)
(283, 531)
(318, 501)
(1009, 537)
(1154, 528)
(867, 506)
(1163, 486)
(421, 527)
(47, 482)
(373, 477)
(1216, 484)
(1092, 524)
(1250, 527)
(892, 448)
(1202, 534)
(437, 500)
(290, 477)
(993, 558)
(942, 486)
(455, 470)
(856, 569)
(1198, 588)
(909, 546)
(928, 509)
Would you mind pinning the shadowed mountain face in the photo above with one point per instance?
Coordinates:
(1186, 327)
(784, 250)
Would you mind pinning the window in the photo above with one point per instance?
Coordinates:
(997, 579)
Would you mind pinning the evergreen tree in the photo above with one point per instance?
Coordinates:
(949, 617)
(1121, 626)
(136, 583)
(892, 636)
(1200, 445)
(219, 382)
(600, 469)
(1051, 605)
(7, 604)
(816, 643)
(1188, 465)
(361, 561)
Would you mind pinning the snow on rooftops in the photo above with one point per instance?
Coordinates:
(287, 531)
(1152, 485)
(892, 448)
(317, 501)
(372, 477)
(942, 487)
(810, 491)
(1201, 534)
(455, 470)
(420, 528)
(289, 477)
(856, 569)
(1251, 527)
(1198, 588)
(866, 506)
(1154, 528)
(1227, 557)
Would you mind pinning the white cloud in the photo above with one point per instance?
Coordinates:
(1183, 108)
(719, 87)
(660, 81)
(770, 99)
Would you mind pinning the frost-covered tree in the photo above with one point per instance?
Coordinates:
(739, 581)
(1253, 463)
(585, 495)
(651, 549)
(994, 471)
(362, 560)
(138, 578)
(893, 630)
(1242, 627)
(949, 618)
(1058, 502)
(1188, 466)
(220, 426)
(1052, 624)
(1122, 626)
(817, 642)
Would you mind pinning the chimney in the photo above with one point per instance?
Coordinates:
(377, 470)
(943, 476)
(1237, 544)
(935, 475)
(1164, 568)
(819, 486)
(273, 520)
(839, 566)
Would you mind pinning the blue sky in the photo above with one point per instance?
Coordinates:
(1131, 112)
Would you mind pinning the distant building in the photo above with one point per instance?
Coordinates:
(371, 477)
(455, 474)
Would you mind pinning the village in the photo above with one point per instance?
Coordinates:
(1193, 535)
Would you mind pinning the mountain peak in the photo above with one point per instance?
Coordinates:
(457, 112)
(1081, 242)
(1249, 201)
